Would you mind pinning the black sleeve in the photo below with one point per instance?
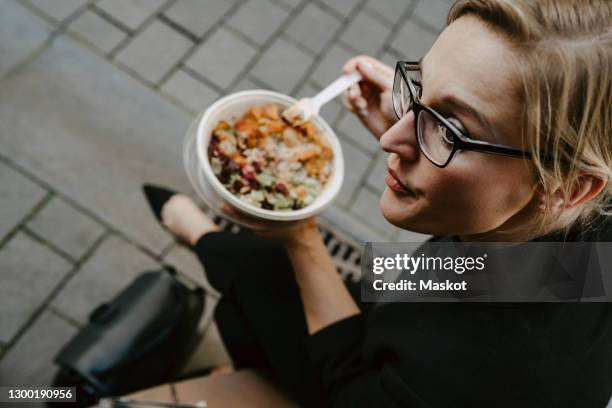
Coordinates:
(350, 381)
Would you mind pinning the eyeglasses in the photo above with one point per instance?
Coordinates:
(437, 137)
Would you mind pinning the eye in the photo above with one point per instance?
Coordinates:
(445, 135)
(457, 124)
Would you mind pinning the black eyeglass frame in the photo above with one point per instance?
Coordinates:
(461, 141)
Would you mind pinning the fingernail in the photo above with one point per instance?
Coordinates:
(366, 65)
(361, 103)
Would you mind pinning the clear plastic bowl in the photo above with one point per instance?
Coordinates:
(210, 189)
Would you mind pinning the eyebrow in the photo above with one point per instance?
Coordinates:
(467, 109)
(464, 107)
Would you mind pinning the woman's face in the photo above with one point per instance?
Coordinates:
(467, 69)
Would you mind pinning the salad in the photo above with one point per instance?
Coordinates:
(269, 163)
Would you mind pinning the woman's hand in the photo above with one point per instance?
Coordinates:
(288, 232)
(370, 99)
(324, 296)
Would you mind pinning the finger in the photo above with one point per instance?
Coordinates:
(351, 64)
(379, 77)
(251, 222)
(349, 97)
(354, 91)
(347, 102)
(357, 105)
(360, 103)
(354, 109)
(240, 217)
(373, 71)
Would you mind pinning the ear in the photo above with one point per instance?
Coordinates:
(587, 187)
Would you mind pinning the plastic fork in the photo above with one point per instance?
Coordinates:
(306, 108)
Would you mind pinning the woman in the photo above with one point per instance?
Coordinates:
(532, 79)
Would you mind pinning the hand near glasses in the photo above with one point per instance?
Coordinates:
(370, 99)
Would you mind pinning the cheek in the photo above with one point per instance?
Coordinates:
(479, 198)
(462, 198)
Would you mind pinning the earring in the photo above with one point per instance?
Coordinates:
(542, 206)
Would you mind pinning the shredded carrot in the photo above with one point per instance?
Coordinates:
(271, 111)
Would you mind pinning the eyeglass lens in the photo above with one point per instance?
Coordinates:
(402, 102)
(435, 138)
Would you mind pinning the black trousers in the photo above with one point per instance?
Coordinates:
(260, 315)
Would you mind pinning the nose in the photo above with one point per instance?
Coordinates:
(401, 139)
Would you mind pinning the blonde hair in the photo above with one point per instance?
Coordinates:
(564, 64)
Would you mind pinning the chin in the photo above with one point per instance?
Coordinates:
(399, 211)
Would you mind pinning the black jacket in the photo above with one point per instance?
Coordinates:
(471, 354)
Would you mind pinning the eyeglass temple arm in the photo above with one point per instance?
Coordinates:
(494, 148)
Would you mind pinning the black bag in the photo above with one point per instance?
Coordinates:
(138, 340)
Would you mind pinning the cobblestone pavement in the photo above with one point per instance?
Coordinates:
(95, 96)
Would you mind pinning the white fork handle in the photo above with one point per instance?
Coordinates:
(335, 88)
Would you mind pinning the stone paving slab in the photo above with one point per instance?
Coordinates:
(330, 66)
(405, 45)
(356, 162)
(342, 7)
(389, 58)
(21, 33)
(30, 271)
(30, 363)
(288, 4)
(213, 62)
(154, 52)
(111, 268)
(366, 204)
(187, 90)
(433, 13)
(258, 19)
(197, 16)
(356, 228)
(376, 178)
(390, 10)
(313, 27)
(96, 142)
(59, 10)
(66, 228)
(131, 13)
(18, 196)
(281, 64)
(97, 31)
(352, 129)
(365, 34)
(245, 83)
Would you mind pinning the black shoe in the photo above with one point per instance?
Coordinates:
(157, 197)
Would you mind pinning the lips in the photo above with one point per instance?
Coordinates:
(396, 185)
